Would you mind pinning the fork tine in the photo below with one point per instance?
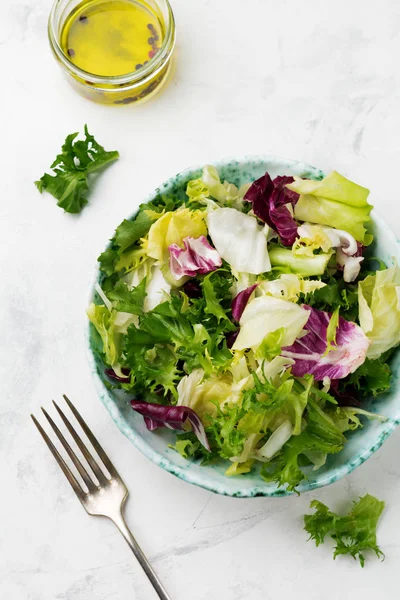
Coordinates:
(81, 469)
(107, 462)
(63, 465)
(91, 461)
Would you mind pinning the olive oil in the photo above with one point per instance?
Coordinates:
(111, 37)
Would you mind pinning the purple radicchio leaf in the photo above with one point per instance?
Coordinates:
(197, 257)
(231, 338)
(270, 199)
(343, 358)
(173, 417)
(112, 375)
(240, 301)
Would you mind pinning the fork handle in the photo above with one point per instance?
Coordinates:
(138, 552)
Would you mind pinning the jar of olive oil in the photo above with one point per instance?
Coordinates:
(113, 51)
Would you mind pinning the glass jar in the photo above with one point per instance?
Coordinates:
(136, 86)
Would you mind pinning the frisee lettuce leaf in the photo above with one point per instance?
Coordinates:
(335, 294)
(373, 377)
(124, 253)
(77, 161)
(187, 327)
(103, 321)
(354, 533)
(130, 301)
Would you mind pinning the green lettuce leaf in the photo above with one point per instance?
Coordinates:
(215, 287)
(306, 266)
(332, 187)
(153, 367)
(129, 232)
(186, 447)
(379, 310)
(124, 253)
(321, 435)
(348, 418)
(334, 201)
(336, 293)
(103, 321)
(266, 314)
(177, 324)
(209, 191)
(77, 161)
(130, 301)
(372, 378)
(354, 533)
(289, 287)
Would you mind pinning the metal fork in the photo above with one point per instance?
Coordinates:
(105, 497)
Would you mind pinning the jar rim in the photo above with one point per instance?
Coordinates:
(154, 64)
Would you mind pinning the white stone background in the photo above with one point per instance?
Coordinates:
(316, 81)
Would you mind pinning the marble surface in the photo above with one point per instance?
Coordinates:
(314, 81)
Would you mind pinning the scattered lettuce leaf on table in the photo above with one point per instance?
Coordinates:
(77, 161)
(354, 533)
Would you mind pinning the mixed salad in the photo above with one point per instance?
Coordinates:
(253, 321)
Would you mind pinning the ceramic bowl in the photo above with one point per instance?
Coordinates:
(361, 444)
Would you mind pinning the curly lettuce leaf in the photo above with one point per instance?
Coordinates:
(347, 418)
(129, 232)
(354, 533)
(334, 294)
(372, 378)
(129, 301)
(321, 435)
(103, 321)
(379, 310)
(209, 191)
(177, 324)
(73, 167)
(124, 253)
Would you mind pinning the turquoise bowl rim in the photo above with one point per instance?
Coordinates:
(186, 474)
